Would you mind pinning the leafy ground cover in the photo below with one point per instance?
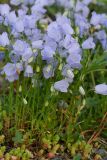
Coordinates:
(53, 85)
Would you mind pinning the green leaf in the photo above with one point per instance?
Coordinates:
(97, 64)
(18, 137)
(77, 157)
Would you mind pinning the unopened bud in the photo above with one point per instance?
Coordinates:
(81, 90)
(24, 101)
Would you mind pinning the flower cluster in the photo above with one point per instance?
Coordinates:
(30, 33)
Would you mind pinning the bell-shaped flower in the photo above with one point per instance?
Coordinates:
(47, 53)
(4, 9)
(101, 89)
(68, 72)
(4, 40)
(48, 71)
(10, 71)
(88, 44)
(54, 31)
(28, 71)
(74, 60)
(61, 85)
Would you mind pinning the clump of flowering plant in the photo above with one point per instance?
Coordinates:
(52, 53)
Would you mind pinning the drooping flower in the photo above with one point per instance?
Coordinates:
(67, 71)
(4, 9)
(88, 44)
(102, 37)
(74, 60)
(101, 89)
(10, 19)
(68, 42)
(29, 21)
(4, 40)
(54, 31)
(28, 71)
(37, 44)
(10, 71)
(82, 23)
(47, 53)
(65, 24)
(20, 46)
(27, 54)
(95, 19)
(50, 42)
(82, 8)
(38, 11)
(48, 71)
(19, 25)
(61, 85)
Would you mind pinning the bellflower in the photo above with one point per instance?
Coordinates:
(20, 46)
(68, 42)
(47, 53)
(19, 25)
(21, 13)
(29, 21)
(75, 49)
(101, 89)
(37, 44)
(71, 45)
(81, 7)
(4, 40)
(82, 23)
(54, 31)
(27, 54)
(68, 72)
(61, 85)
(28, 71)
(48, 71)
(11, 19)
(36, 35)
(96, 19)
(74, 60)
(4, 9)
(88, 44)
(65, 24)
(38, 11)
(102, 37)
(62, 52)
(10, 71)
(104, 20)
(50, 42)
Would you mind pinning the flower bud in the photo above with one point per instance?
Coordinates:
(24, 101)
(81, 90)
